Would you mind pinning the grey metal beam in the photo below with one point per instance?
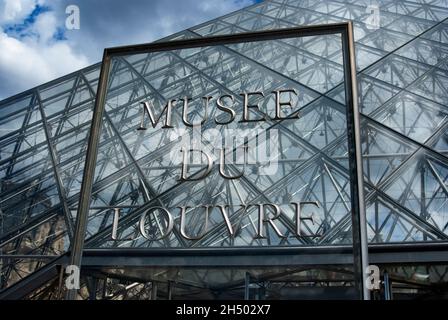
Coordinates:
(89, 172)
(383, 254)
(318, 257)
(32, 282)
(57, 174)
(359, 225)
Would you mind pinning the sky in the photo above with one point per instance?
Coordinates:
(36, 45)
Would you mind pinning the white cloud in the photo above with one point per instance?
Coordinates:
(15, 10)
(45, 25)
(25, 64)
(30, 55)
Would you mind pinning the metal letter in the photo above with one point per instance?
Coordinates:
(147, 106)
(184, 170)
(224, 212)
(143, 220)
(246, 107)
(115, 226)
(262, 219)
(299, 217)
(222, 162)
(115, 223)
(185, 111)
(220, 105)
(279, 104)
(183, 211)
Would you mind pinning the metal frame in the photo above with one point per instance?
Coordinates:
(95, 260)
(360, 251)
(381, 254)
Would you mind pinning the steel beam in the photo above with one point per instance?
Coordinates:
(381, 254)
(89, 171)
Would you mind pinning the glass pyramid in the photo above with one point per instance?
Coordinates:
(402, 64)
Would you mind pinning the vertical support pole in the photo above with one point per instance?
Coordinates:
(170, 290)
(154, 290)
(104, 289)
(93, 288)
(246, 286)
(60, 282)
(89, 171)
(423, 196)
(262, 292)
(359, 226)
(387, 287)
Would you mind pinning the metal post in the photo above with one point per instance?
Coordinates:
(93, 288)
(262, 292)
(89, 171)
(246, 286)
(387, 287)
(359, 226)
(154, 290)
(60, 283)
(104, 291)
(423, 196)
(170, 289)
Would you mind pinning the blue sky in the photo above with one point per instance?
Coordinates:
(36, 47)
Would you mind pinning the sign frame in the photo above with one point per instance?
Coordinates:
(344, 29)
